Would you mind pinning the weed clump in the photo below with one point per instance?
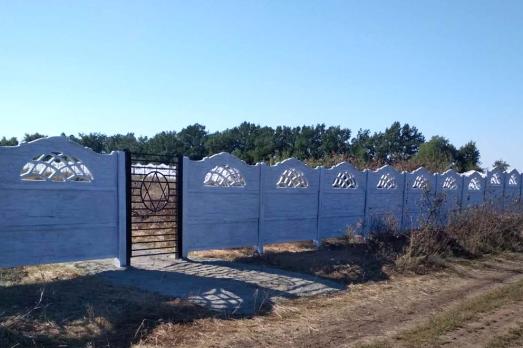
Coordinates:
(470, 233)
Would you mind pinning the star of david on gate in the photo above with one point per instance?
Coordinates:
(155, 191)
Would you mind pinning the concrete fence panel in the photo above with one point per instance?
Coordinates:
(473, 189)
(385, 195)
(289, 202)
(449, 186)
(221, 197)
(495, 188)
(420, 188)
(60, 202)
(512, 194)
(342, 200)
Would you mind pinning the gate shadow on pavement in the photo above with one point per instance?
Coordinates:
(226, 287)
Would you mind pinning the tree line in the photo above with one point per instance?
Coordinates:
(400, 145)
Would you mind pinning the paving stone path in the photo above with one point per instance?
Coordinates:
(224, 286)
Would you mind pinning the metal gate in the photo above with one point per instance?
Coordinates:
(154, 199)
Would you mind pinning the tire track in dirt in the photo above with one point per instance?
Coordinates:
(491, 324)
(407, 307)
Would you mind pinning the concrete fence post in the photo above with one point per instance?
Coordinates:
(124, 235)
(259, 246)
(462, 195)
(365, 226)
(403, 203)
(320, 186)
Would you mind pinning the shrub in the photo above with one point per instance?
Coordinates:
(471, 233)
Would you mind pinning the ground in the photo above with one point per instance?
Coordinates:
(466, 303)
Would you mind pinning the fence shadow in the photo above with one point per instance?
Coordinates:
(109, 309)
(340, 263)
(226, 287)
(85, 311)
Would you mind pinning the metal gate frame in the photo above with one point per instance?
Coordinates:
(177, 162)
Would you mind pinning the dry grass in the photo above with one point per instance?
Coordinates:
(83, 310)
(471, 233)
(236, 253)
(512, 338)
(62, 305)
(368, 310)
(335, 259)
(59, 305)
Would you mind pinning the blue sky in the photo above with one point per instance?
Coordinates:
(452, 68)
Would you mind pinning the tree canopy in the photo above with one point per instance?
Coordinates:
(501, 165)
(400, 145)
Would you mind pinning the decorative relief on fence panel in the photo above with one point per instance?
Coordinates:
(224, 176)
(62, 204)
(341, 201)
(419, 196)
(292, 178)
(55, 166)
(385, 196)
(345, 180)
(474, 185)
(387, 182)
(495, 179)
(220, 203)
(289, 202)
(421, 182)
(450, 184)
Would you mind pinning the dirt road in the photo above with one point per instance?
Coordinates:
(399, 312)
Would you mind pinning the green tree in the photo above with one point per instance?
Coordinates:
(284, 138)
(123, 142)
(164, 143)
(334, 141)
(397, 143)
(467, 158)
(220, 142)
(8, 142)
(30, 137)
(95, 141)
(244, 138)
(192, 140)
(501, 165)
(437, 155)
(307, 142)
(263, 145)
(401, 145)
(362, 147)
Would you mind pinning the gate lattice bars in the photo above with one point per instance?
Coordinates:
(153, 204)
